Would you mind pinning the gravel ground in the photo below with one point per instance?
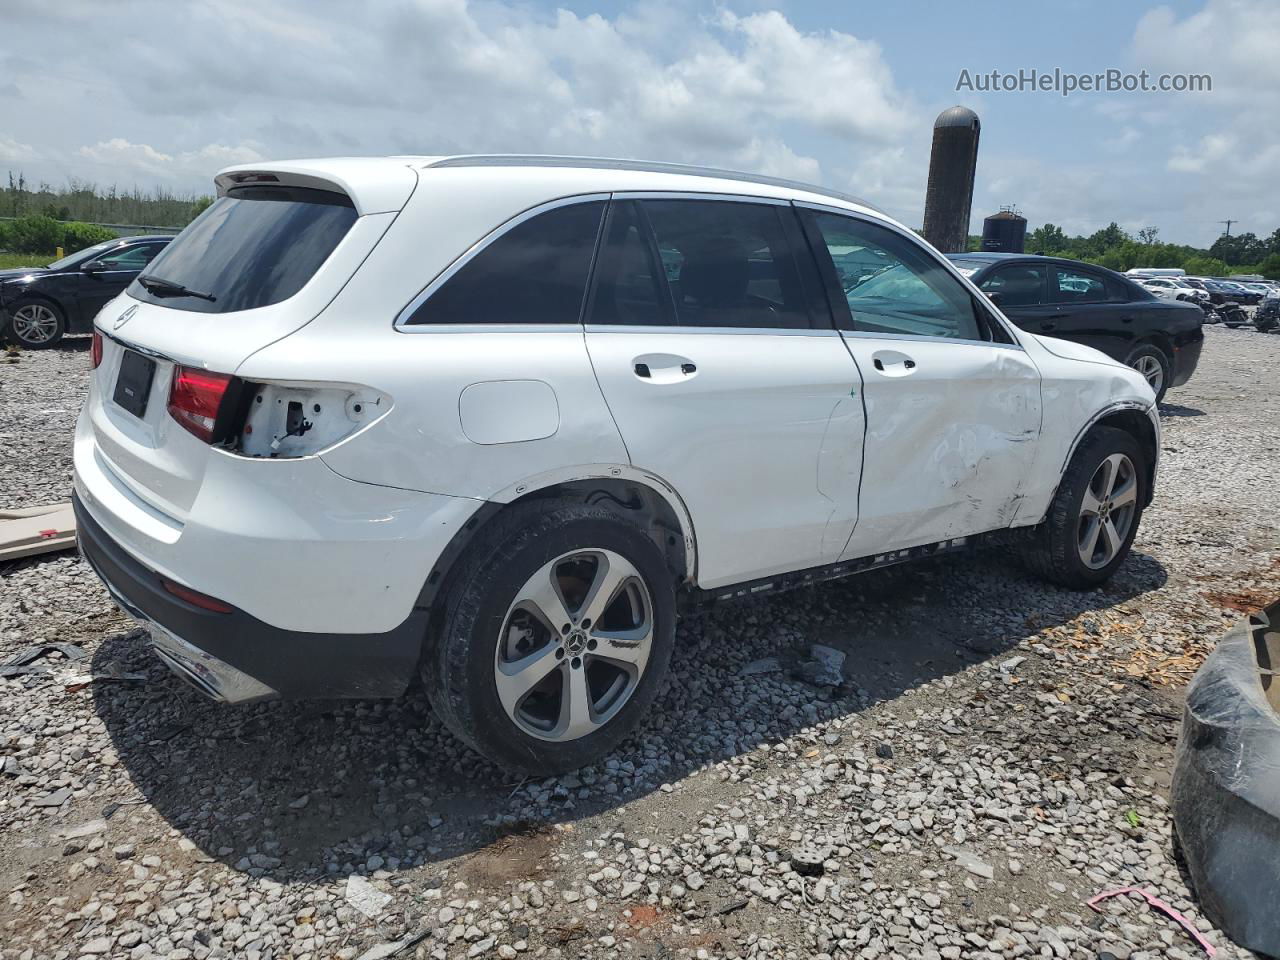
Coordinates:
(996, 752)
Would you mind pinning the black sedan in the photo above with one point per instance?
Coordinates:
(39, 305)
(1093, 306)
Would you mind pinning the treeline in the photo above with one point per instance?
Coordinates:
(85, 201)
(1116, 249)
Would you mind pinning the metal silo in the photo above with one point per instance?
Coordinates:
(951, 168)
(1004, 232)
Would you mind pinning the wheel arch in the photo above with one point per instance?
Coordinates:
(1134, 420)
(641, 495)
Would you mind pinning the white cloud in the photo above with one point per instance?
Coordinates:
(295, 78)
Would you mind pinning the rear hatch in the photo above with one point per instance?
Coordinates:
(260, 263)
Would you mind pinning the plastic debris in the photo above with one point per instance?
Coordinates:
(33, 530)
(1160, 905)
(365, 897)
(21, 662)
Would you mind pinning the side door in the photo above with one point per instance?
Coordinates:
(952, 401)
(1093, 310)
(119, 267)
(709, 335)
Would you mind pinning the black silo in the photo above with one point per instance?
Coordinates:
(1004, 232)
(952, 164)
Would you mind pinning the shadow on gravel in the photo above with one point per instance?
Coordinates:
(298, 790)
(1176, 410)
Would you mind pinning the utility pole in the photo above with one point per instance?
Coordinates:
(1228, 223)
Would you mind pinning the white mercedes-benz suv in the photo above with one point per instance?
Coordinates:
(496, 420)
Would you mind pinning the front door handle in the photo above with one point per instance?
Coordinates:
(892, 363)
(1048, 325)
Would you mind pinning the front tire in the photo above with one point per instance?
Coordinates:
(36, 324)
(1152, 363)
(1095, 513)
(555, 634)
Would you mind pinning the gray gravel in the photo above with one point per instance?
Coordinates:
(992, 752)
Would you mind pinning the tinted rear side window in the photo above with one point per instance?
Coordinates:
(536, 272)
(252, 248)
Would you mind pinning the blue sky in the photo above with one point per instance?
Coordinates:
(840, 93)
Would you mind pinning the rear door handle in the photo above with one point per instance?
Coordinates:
(664, 368)
(1048, 325)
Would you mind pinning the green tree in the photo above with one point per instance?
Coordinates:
(1270, 267)
(200, 206)
(1148, 235)
(1047, 239)
(1205, 267)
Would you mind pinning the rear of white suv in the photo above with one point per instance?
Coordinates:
(494, 418)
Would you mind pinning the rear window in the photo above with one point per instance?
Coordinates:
(252, 248)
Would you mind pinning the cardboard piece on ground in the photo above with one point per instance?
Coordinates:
(25, 533)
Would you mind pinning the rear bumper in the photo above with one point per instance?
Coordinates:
(1186, 356)
(237, 658)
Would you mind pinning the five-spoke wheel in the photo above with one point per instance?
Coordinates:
(574, 644)
(553, 635)
(1107, 510)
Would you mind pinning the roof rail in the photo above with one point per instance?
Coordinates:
(644, 166)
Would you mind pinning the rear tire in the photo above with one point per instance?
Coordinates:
(554, 636)
(1095, 513)
(36, 324)
(1152, 363)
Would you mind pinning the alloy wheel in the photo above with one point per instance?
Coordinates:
(574, 645)
(1151, 368)
(34, 323)
(1107, 510)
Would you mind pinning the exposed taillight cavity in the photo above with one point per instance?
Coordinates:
(195, 399)
(95, 350)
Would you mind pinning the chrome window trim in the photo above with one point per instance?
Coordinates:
(989, 308)
(698, 195)
(401, 322)
(660, 328)
(542, 328)
(926, 338)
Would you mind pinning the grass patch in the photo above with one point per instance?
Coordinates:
(10, 260)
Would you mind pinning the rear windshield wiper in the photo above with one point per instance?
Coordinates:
(167, 288)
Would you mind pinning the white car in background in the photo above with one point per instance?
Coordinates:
(1172, 288)
(495, 420)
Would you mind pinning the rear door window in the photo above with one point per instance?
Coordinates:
(729, 263)
(253, 247)
(536, 272)
(1019, 284)
(1077, 286)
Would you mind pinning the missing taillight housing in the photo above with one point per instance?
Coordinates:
(95, 350)
(196, 398)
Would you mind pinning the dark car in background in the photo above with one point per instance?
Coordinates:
(40, 305)
(1238, 292)
(1094, 306)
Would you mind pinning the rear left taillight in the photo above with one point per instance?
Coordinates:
(95, 350)
(195, 400)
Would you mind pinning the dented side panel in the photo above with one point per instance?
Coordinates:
(951, 438)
